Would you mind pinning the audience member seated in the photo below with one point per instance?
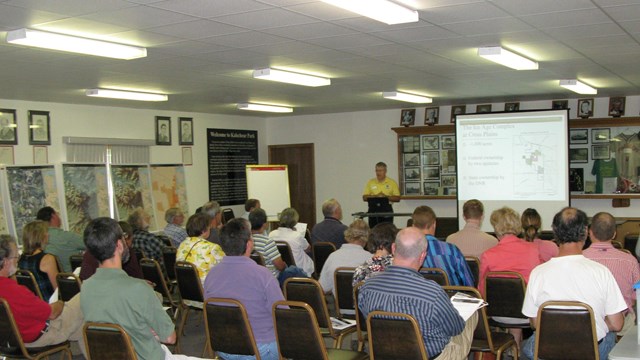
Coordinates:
(571, 276)
(39, 323)
(471, 240)
(196, 249)
(131, 267)
(351, 254)
(330, 229)
(531, 224)
(212, 209)
(623, 266)
(299, 245)
(239, 277)
(62, 243)
(401, 288)
(511, 254)
(150, 244)
(175, 218)
(42, 265)
(439, 253)
(134, 304)
(249, 206)
(380, 240)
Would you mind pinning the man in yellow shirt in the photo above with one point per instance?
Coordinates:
(380, 187)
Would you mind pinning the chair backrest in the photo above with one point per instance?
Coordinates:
(320, 251)
(566, 333)
(258, 258)
(285, 253)
(10, 339)
(617, 244)
(139, 253)
(309, 291)
(395, 336)
(227, 215)
(343, 291)
(504, 291)
(152, 272)
(75, 261)
(228, 329)
(26, 278)
(166, 240)
(436, 274)
(58, 263)
(361, 320)
(68, 286)
(474, 266)
(297, 331)
(107, 341)
(169, 258)
(188, 281)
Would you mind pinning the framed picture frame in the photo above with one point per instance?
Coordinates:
(600, 152)
(578, 136)
(412, 188)
(431, 158)
(431, 187)
(412, 173)
(8, 127)
(187, 156)
(448, 142)
(585, 108)
(616, 106)
(40, 155)
(431, 172)
(484, 108)
(457, 110)
(431, 115)
(450, 191)
(411, 159)
(576, 179)
(448, 161)
(601, 135)
(163, 130)
(7, 156)
(411, 144)
(448, 180)
(407, 117)
(39, 126)
(185, 131)
(578, 155)
(559, 104)
(431, 142)
(512, 106)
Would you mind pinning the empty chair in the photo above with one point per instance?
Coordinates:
(228, 329)
(566, 333)
(107, 342)
(285, 253)
(395, 336)
(504, 291)
(320, 251)
(153, 273)
(474, 266)
(12, 345)
(75, 261)
(68, 286)
(227, 215)
(191, 295)
(436, 274)
(343, 292)
(26, 278)
(298, 334)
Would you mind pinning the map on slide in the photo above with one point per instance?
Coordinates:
(536, 165)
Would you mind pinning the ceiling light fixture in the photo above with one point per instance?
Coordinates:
(126, 95)
(578, 87)
(384, 11)
(402, 96)
(290, 77)
(507, 58)
(55, 41)
(264, 107)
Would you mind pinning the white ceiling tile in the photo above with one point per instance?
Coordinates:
(624, 13)
(294, 48)
(633, 27)
(12, 17)
(197, 29)
(348, 41)
(245, 39)
(310, 31)
(209, 9)
(139, 17)
(80, 27)
(493, 26)
(527, 7)
(71, 7)
(416, 34)
(188, 47)
(322, 11)
(259, 20)
(564, 18)
(462, 13)
(583, 31)
(142, 38)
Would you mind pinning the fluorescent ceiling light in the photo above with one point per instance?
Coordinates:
(507, 58)
(126, 95)
(401, 96)
(264, 107)
(49, 40)
(290, 77)
(579, 87)
(384, 11)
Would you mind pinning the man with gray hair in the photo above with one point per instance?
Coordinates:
(150, 244)
(330, 229)
(174, 230)
(401, 288)
(212, 209)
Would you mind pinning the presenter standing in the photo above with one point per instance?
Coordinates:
(380, 192)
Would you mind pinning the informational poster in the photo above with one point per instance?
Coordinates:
(169, 189)
(228, 153)
(85, 193)
(132, 189)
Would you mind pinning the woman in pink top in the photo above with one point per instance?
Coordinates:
(531, 224)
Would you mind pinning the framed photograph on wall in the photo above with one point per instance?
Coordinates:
(448, 180)
(407, 117)
(484, 108)
(163, 130)
(410, 144)
(457, 110)
(40, 155)
(412, 159)
(431, 158)
(431, 115)
(578, 136)
(600, 152)
(616, 106)
(579, 155)
(585, 108)
(430, 142)
(6, 155)
(602, 135)
(512, 106)
(412, 173)
(186, 130)
(431, 172)
(39, 128)
(448, 142)
(8, 127)
(431, 187)
(412, 188)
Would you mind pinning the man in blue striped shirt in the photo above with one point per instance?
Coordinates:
(402, 289)
(441, 254)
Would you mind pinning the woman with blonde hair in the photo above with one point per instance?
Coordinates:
(531, 224)
(43, 266)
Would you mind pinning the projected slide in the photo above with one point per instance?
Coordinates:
(513, 159)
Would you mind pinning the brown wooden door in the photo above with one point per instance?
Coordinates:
(302, 178)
